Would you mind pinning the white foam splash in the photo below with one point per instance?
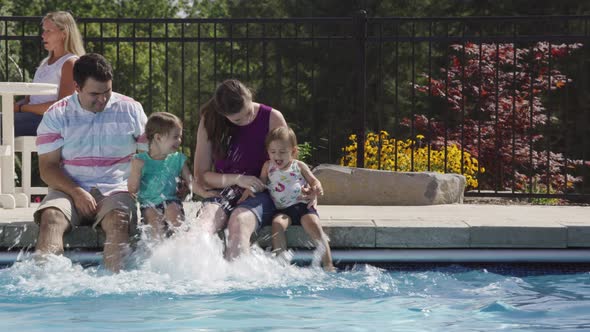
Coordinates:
(189, 262)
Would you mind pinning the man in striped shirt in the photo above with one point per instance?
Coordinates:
(85, 144)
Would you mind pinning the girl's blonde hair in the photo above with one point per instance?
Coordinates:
(66, 23)
(285, 134)
(161, 123)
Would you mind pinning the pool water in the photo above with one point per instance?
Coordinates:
(183, 284)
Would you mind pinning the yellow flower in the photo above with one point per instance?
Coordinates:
(405, 155)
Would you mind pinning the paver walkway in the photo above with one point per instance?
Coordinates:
(380, 227)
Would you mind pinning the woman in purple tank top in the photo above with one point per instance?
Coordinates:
(228, 159)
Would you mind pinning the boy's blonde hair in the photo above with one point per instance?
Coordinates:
(161, 123)
(285, 134)
(66, 23)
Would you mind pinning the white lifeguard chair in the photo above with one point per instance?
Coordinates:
(11, 197)
(27, 146)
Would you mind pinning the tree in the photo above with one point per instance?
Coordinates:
(494, 93)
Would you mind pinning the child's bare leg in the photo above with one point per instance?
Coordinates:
(280, 223)
(313, 228)
(174, 215)
(154, 219)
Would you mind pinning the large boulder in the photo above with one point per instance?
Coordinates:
(360, 186)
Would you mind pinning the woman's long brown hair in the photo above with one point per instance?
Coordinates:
(230, 97)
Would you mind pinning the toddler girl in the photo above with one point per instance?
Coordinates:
(155, 174)
(285, 177)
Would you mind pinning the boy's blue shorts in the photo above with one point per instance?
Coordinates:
(261, 204)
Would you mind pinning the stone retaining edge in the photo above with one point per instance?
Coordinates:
(369, 233)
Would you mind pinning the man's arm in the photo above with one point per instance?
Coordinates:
(52, 173)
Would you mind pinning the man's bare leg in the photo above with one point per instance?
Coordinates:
(116, 227)
(52, 226)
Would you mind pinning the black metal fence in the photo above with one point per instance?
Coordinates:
(503, 100)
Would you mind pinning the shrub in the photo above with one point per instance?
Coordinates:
(385, 153)
(495, 100)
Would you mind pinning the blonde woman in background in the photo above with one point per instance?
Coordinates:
(62, 39)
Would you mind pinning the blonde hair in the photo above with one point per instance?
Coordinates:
(161, 123)
(66, 23)
(284, 134)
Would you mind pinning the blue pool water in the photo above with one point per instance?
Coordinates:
(183, 284)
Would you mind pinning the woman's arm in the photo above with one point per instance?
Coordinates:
(206, 178)
(203, 164)
(66, 87)
(276, 120)
(203, 174)
(264, 173)
(263, 178)
(66, 84)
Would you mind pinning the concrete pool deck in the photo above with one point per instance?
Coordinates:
(455, 226)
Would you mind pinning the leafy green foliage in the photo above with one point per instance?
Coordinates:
(305, 70)
(305, 152)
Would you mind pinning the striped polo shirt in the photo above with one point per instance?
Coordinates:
(96, 148)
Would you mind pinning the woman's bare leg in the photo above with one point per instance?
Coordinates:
(212, 218)
(242, 223)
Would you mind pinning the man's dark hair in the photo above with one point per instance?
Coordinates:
(92, 65)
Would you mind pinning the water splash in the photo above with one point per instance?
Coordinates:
(17, 238)
(188, 263)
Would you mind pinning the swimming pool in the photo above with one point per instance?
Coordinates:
(184, 285)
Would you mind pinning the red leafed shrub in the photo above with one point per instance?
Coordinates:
(496, 113)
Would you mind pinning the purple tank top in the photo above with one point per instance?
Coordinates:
(246, 153)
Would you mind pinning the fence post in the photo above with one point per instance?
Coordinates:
(360, 29)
